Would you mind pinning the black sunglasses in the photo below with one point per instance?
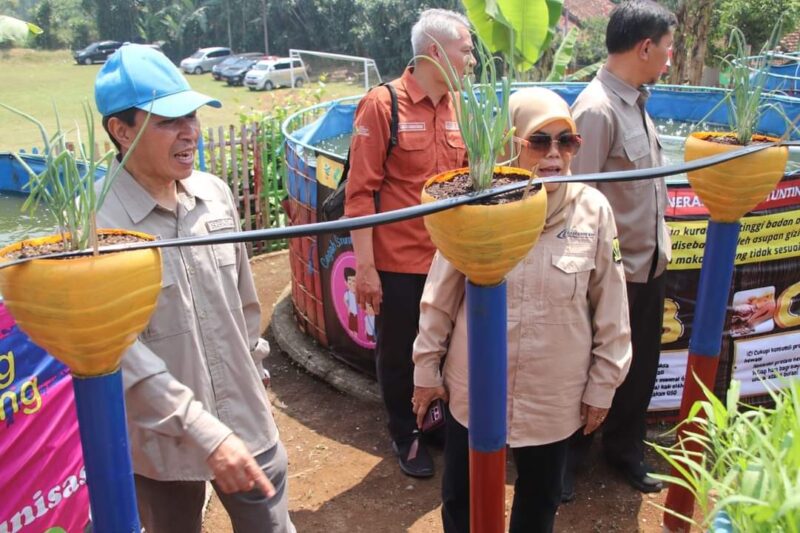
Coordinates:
(541, 142)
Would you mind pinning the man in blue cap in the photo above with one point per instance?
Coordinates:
(196, 406)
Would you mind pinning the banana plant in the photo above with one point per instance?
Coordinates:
(518, 29)
(15, 30)
(563, 56)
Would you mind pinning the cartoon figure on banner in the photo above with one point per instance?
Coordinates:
(358, 324)
(350, 300)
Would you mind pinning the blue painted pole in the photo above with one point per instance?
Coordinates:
(488, 378)
(104, 437)
(713, 291)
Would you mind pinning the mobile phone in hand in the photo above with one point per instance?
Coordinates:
(434, 418)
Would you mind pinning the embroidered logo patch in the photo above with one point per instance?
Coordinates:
(219, 224)
(575, 234)
(616, 253)
(411, 126)
(451, 125)
(361, 130)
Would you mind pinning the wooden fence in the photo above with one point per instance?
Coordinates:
(249, 158)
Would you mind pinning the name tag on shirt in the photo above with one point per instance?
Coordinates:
(411, 126)
(220, 224)
(451, 125)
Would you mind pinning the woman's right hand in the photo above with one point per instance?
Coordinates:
(592, 416)
(422, 399)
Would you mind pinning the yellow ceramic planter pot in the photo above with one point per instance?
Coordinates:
(85, 311)
(486, 241)
(731, 189)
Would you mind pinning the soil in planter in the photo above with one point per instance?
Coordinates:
(461, 185)
(56, 247)
(732, 140)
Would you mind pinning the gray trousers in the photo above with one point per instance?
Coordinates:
(176, 506)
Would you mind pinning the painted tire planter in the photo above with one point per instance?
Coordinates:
(485, 242)
(85, 311)
(730, 190)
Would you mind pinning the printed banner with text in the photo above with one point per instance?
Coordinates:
(42, 478)
(762, 327)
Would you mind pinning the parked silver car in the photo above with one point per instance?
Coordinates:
(204, 59)
(271, 73)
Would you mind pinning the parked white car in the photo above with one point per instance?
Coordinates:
(204, 59)
(271, 73)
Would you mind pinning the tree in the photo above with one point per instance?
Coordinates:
(43, 17)
(116, 19)
(691, 38)
(756, 18)
(591, 45)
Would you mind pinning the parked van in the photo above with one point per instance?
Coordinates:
(204, 59)
(271, 73)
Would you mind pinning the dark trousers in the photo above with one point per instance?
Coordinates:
(625, 428)
(396, 327)
(537, 490)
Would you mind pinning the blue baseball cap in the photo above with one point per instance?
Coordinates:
(136, 76)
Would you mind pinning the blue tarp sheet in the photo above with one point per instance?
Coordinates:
(666, 102)
(14, 177)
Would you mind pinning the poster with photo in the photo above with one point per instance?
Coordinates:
(765, 292)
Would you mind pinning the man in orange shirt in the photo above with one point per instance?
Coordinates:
(392, 261)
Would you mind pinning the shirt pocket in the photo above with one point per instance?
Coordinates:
(570, 279)
(457, 149)
(410, 151)
(171, 317)
(636, 146)
(225, 256)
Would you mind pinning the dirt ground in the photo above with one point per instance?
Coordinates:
(343, 476)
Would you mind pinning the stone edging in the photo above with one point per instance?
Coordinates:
(317, 360)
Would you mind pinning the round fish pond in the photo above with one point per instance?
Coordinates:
(766, 272)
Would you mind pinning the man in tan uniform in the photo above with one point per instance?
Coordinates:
(196, 407)
(619, 135)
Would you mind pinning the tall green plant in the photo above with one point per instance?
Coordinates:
(748, 77)
(66, 187)
(749, 463)
(483, 116)
(518, 29)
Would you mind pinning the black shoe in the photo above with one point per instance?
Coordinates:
(638, 476)
(413, 457)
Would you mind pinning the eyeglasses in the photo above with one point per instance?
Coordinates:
(541, 142)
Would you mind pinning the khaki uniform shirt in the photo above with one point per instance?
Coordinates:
(192, 378)
(568, 332)
(618, 134)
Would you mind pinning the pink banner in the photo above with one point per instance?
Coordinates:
(42, 479)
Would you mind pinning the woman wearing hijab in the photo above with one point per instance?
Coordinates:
(568, 332)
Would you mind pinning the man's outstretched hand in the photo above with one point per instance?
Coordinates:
(235, 469)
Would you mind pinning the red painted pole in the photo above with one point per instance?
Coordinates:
(713, 292)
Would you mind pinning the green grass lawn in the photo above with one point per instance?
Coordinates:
(34, 81)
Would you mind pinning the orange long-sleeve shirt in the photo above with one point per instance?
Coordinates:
(429, 142)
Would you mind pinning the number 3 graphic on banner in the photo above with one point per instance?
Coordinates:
(672, 327)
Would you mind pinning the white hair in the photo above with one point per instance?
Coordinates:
(436, 24)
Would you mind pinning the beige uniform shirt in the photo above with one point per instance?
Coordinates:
(618, 134)
(193, 377)
(568, 332)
